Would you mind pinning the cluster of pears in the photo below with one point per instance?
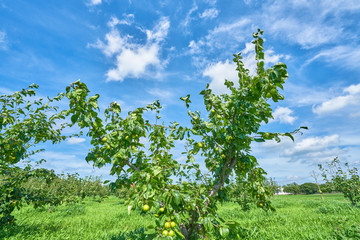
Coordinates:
(168, 231)
(167, 226)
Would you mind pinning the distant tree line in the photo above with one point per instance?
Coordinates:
(306, 188)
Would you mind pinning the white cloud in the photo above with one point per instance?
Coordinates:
(71, 163)
(94, 2)
(115, 43)
(314, 149)
(353, 89)
(309, 26)
(133, 63)
(209, 13)
(211, 2)
(49, 155)
(235, 30)
(293, 177)
(160, 31)
(297, 22)
(225, 36)
(298, 95)
(161, 93)
(3, 40)
(218, 73)
(195, 47)
(306, 150)
(75, 140)
(350, 101)
(283, 115)
(347, 56)
(188, 17)
(308, 35)
(6, 91)
(133, 59)
(298, 158)
(128, 20)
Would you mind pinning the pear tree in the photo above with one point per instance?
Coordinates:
(221, 138)
(25, 122)
(342, 178)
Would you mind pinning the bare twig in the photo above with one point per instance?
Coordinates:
(314, 175)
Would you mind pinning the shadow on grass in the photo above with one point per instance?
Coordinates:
(136, 234)
(139, 233)
(12, 230)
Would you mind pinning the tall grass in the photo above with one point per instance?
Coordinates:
(296, 217)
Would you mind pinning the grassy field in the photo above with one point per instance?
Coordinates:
(296, 217)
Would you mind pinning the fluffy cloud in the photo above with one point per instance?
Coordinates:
(283, 115)
(134, 62)
(133, 59)
(314, 149)
(305, 150)
(218, 73)
(114, 43)
(350, 101)
(298, 158)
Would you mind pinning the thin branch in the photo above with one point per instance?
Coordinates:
(132, 166)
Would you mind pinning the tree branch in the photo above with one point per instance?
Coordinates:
(224, 175)
(132, 166)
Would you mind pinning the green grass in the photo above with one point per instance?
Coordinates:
(300, 217)
(296, 217)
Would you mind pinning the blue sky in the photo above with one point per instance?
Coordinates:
(134, 52)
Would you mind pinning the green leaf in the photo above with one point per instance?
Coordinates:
(290, 136)
(74, 118)
(177, 218)
(177, 197)
(186, 100)
(179, 233)
(150, 227)
(258, 139)
(157, 171)
(150, 231)
(224, 231)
